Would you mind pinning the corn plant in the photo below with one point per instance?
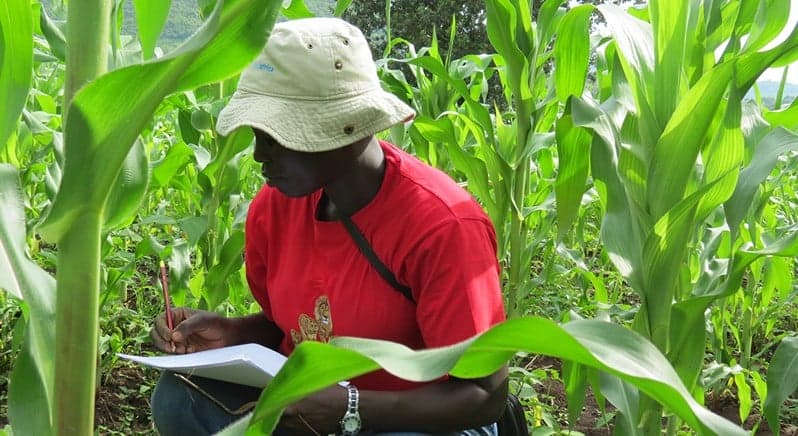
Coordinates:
(493, 151)
(103, 119)
(664, 144)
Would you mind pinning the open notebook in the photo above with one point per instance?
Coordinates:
(248, 364)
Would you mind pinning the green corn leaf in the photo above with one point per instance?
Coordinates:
(19, 275)
(688, 338)
(782, 379)
(596, 344)
(29, 409)
(743, 395)
(786, 246)
(341, 7)
(635, 42)
(478, 112)
(765, 158)
(573, 145)
(194, 227)
(16, 63)
(230, 261)
(129, 189)
(442, 131)
(625, 398)
(107, 114)
(506, 25)
(495, 174)
(750, 66)
(620, 230)
(723, 158)
(550, 15)
(176, 159)
(770, 18)
(574, 377)
(297, 9)
(663, 255)
(151, 16)
(31, 384)
(231, 146)
(189, 134)
(672, 29)
(787, 117)
(633, 161)
(760, 386)
(676, 152)
(54, 35)
(572, 52)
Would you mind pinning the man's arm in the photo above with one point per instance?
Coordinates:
(451, 405)
(256, 328)
(455, 404)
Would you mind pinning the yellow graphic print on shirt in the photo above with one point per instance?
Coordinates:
(315, 329)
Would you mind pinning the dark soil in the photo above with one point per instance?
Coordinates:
(123, 401)
(589, 422)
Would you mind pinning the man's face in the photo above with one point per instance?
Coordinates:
(293, 173)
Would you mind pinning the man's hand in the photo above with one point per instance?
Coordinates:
(195, 330)
(319, 413)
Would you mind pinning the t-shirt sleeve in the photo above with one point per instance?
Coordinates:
(454, 275)
(255, 254)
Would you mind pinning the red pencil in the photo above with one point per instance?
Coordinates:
(165, 288)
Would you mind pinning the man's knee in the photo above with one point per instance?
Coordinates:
(172, 408)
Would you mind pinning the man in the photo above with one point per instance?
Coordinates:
(314, 102)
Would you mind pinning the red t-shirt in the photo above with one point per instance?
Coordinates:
(311, 279)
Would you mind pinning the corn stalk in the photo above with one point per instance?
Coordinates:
(78, 274)
(105, 113)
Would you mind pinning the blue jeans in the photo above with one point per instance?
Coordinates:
(181, 409)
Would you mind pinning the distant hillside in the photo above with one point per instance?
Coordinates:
(184, 19)
(768, 90)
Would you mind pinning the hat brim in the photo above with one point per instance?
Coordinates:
(314, 125)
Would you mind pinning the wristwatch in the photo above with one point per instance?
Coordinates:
(350, 423)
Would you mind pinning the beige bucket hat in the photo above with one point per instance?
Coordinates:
(313, 88)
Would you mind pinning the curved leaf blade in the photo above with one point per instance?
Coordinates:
(31, 383)
(600, 345)
(782, 378)
(16, 63)
(572, 52)
(129, 189)
(151, 16)
(106, 115)
(766, 155)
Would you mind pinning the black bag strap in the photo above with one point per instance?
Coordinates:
(375, 261)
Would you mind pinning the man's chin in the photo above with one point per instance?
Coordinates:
(288, 192)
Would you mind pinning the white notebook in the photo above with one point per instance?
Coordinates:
(248, 364)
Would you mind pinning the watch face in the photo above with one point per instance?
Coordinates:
(351, 423)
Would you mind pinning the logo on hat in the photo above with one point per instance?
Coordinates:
(265, 67)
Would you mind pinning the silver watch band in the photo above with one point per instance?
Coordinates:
(350, 423)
